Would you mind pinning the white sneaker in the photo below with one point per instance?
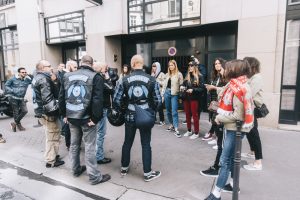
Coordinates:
(248, 155)
(207, 136)
(212, 142)
(194, 136)
(188, 133)
(161, 123)
(215, 147)
(253, 167)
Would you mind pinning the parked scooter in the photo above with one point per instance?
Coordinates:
(5, 107)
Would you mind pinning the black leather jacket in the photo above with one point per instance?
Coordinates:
(46, 95)
(197, 89)
(93, 105)
(108, 91)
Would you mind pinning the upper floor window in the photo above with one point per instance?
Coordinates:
(161, 14)
(65, 28)
(6, 2)
(292, 2)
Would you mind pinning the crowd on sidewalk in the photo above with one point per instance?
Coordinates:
(76, 101)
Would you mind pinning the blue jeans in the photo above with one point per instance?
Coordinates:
(88, 133)
(101, 131)
(226, 160)
(171, 102)
(130, 131)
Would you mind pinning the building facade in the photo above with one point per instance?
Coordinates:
(59, 30)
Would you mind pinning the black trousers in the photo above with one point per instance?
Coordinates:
(19, 109)
(161, 114)
(254, 141)
(219, 132)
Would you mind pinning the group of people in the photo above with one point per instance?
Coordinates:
(76, 101)
(237, 86)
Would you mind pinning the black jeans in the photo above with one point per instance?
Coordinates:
(254, 141)
(130, 131)
(19, 109)
(161, 114)
(219, 132)
(65, 131)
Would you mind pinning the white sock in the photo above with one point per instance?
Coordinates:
(231, 182)
(217, 192)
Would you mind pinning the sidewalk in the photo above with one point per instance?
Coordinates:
(179, 160)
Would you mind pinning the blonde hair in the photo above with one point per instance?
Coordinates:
(175, 70)
(98, 66)
(136, 59)
(196, 75)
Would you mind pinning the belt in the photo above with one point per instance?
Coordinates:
(143, 106)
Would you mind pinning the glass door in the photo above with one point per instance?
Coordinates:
(290, 88)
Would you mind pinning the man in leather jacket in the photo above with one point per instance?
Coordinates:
(46, 92)
(81, 104)
(138, 89)
(102, 69)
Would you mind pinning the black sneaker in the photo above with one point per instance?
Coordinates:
(13, 126)
(212, 197)
(124, 171)
(184, 122)
(228, 188)
(210, 172)
(104, 161)
(177, 134)
(55, 164)
(82, 169)
(152, 176)
(105, 178)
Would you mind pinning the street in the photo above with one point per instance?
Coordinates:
(23, 174)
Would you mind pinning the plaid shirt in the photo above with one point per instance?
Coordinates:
(119, 93)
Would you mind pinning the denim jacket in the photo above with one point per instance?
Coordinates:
(17, 87)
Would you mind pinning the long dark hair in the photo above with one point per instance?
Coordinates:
(214, 72)
(128, 69)
(254, 65)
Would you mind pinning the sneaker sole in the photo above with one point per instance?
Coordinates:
(212, 176)
(206, 139)
(153, 178)
(178, 136)
(227, 191)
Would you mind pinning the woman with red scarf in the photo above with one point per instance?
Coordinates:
(235, 103)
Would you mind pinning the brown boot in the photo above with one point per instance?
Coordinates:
(13, 126)
(20, 127)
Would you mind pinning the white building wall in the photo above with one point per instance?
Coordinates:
(106, 20)
(58, 7)
(29, 34)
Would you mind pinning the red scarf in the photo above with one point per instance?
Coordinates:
(236, 87)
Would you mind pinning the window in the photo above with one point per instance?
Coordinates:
(163, 14)
(6, 2)
(174, 8)
(65, 28)
(292, 2)
(10, 49)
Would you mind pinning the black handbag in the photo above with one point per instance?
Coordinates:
(261, 112)
(144, 118)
